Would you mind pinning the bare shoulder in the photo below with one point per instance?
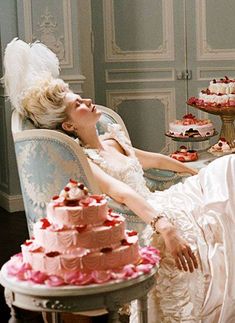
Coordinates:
(114, 144)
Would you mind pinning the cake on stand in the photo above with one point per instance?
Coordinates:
(204, 158)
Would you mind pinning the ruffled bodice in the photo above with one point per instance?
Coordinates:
(131, 172)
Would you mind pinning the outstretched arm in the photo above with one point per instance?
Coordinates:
(156, 160)
(122, 193)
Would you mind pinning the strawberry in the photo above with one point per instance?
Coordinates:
(111, 223)
(72, 181)
(45, 223)
(81, 186)
(28, 242)
(81, 228)
(106, 250)
(132, 233)
(52, 254)
(124, 242)
(97, 197)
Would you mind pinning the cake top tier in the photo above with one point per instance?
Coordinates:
(225, 80)
(76, 194)
(75, 206)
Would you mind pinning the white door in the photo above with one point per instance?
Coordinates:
(150, 56)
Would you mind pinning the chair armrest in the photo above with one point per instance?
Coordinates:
(160, 179)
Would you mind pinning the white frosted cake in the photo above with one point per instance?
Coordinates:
(190, 126)
(220, 93)
(81, 242)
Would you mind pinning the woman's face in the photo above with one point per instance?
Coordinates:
(81, 112)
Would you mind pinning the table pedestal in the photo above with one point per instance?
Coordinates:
(227, 129)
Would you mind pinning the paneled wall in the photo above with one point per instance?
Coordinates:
(60, 25)
(135, 69)
(10, 194)
(143, 51)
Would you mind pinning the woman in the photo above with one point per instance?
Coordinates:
(192, 223)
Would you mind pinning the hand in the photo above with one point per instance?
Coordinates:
(180, 250)
(193, 171)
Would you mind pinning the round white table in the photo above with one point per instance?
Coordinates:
(109, 296)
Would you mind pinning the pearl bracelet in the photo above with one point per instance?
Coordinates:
(154, 222)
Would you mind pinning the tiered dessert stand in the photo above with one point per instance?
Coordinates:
(227, 115)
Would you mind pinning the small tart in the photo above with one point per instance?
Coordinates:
(222, 147)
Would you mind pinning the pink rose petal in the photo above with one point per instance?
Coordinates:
(101, 276)
(54, 281)
(38, 277)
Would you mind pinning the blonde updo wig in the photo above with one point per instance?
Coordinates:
(44, 102)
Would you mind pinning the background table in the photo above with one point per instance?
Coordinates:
(109, 296)
(204, 158)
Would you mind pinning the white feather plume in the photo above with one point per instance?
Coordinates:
(24, 64)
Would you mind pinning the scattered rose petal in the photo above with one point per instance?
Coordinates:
(38, 277)
(101, 276)
(54, 281)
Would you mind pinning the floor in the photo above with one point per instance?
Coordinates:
(13, 231)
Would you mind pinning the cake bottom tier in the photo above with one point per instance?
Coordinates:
(61, 264)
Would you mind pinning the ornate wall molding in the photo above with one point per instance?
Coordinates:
(207, 73)
(166, 96)
(75, 82)
(47, 31)
(125, 75)
(114, 53)
(204, 49)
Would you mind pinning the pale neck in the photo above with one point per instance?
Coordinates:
(90, 138)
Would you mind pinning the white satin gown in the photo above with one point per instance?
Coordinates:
(203, 210)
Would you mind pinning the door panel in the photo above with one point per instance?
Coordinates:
(137, 49)
(210, 48)
(142, 50)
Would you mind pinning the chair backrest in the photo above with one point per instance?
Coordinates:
(46, 160)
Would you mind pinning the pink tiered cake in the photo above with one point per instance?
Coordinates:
(81, 242)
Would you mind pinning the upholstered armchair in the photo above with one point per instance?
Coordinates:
(47, 159)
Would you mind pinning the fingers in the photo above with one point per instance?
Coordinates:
(186, 260)
(182, 261)
(192, 256)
